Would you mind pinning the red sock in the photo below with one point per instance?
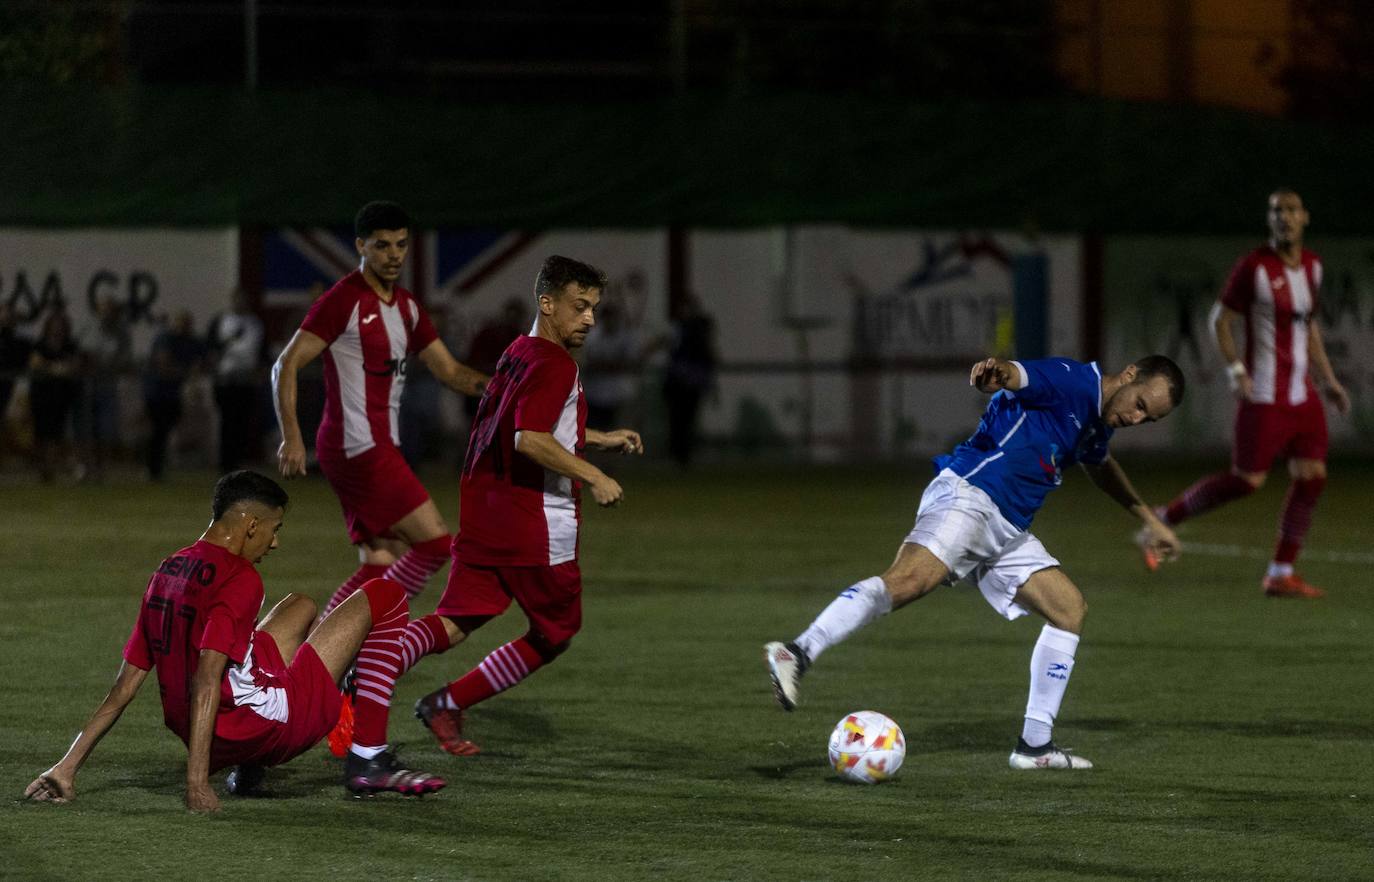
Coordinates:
(353, 583)
(1207, 494)
(380, 665)
(1297, 517)
(498, 672)
(423, 560)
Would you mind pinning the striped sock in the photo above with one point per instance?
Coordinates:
(498, 672)
(1298, 506)
(423, 560)
(1205, 495)
(365, 573)
(380, 666)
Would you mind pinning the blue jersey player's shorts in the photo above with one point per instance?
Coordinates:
(961, 525)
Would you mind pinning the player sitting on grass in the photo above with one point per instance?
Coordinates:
(974, 518)
(237, 695)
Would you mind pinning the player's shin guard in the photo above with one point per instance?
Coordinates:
(1050, 667)
(1296, 518)
(857, 606)
(423, 560)
(499, 671)
(1205, 495)
(376, 659)
(365, 573)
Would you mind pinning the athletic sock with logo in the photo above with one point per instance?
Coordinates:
(857, 606)
(1050, 667)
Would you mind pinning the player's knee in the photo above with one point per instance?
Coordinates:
(904, 587)
(1254, 479)
(377, 557)
(306, 605)
(547, 649)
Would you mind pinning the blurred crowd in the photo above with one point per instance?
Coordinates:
(76, 399)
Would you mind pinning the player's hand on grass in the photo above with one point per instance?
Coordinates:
(606, 491)
(291, 458)
(201, 798)
(54, 785)
(1162, 540)
(1337, 395)
(987, 376)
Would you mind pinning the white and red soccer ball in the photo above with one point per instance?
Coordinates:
(867, 747)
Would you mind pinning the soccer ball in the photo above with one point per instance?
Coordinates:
(867, 747)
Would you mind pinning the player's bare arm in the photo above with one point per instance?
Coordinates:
(304, 348)
(200, 797)
(58, 784)
(1326, 376)
(1111, 479)
(1223, 323)
(995, 374)
(452, 372)
(545, 450)
(621, 440)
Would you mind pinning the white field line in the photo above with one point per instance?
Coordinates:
(1212, 549)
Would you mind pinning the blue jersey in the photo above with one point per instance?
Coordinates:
(1027, 437)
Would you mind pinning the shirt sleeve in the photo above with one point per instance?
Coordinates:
(1045, 379)
(136, 651)
(328, 316)
(1239, 291)
(541, 393)
(229, 620)
(423, 333)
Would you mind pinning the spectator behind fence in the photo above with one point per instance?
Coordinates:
(54, 387)
(691, 374)
(237, 342)
(14, 359)
(106, 354)
(175, 355)
(613, 353)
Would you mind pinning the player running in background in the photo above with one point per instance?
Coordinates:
(1274, 289)
(974, 518)
(236, 694)
(520, 516)
(366, 326)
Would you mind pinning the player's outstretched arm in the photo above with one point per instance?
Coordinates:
(994, 375)
(623, 440)
(544, 449)
(200, 797)
(1111, 479)
(452, 372)
(58, 784)
(304, 348)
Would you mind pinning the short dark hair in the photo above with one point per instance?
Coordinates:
(379, 216)
(245, 486)
(1162, 366)
(558, 271)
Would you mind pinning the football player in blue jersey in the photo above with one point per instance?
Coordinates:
(974, 520)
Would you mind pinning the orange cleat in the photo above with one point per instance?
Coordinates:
(1148, 555)
(446, 725)
(341, 736)
(1290, 586)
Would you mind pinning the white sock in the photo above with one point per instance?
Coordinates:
(856, 606)
(1050, 667)
(1279, 570)
(366, 752)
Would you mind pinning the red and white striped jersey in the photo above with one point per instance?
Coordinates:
(1279, 302)
(365, 364)
(513, 511)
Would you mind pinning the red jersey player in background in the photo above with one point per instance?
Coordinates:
(520, 514)
(236, 694)
(366, 326)
(1274, 290)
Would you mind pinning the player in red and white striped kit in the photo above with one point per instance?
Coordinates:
(520, 513)
(366, 327)
(1274, 290)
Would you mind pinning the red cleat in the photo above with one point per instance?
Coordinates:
(341, 736)
(1290, 586)
(445, 724)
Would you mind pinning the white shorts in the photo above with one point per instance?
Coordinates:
(962, 526)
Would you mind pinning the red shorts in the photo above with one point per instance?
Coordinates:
(376, 489)
(273, 727)
(551, 597)
(1264, 432)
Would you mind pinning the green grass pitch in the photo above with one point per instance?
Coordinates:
(1234, 735)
